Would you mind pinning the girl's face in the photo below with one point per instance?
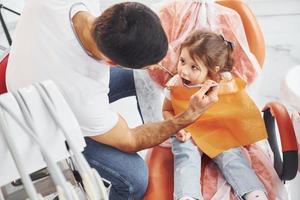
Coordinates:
(191, 71)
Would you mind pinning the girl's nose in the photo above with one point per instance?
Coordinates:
(185, 70)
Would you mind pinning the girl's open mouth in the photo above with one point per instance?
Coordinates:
(185, 81)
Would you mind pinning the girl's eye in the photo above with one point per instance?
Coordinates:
(181, 60)
(195, 68)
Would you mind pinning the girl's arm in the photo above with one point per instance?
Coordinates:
(168, 112)
(167, 109)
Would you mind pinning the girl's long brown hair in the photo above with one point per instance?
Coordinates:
(212, 49)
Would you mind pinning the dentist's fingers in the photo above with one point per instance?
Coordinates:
(203, 99)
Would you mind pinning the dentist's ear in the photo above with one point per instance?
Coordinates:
(107, 60)
(110, 62)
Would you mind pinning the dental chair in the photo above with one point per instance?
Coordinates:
(160, 159)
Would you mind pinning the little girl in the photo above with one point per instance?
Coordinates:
(221, 130)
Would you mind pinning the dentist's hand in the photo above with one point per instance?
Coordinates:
(202, 100)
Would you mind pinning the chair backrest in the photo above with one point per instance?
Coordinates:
(3, 65)
(253, 32)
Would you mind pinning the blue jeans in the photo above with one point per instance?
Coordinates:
(122, 85)
(232, 163)
(138, 83)
(187, 168)
(127, 172)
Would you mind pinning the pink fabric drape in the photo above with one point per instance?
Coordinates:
(180, 18)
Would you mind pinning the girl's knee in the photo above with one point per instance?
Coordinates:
(233, 154)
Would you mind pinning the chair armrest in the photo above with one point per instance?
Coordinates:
(287, 167)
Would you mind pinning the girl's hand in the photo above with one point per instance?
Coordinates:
(183, 136)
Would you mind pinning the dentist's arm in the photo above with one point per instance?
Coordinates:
(151, 134)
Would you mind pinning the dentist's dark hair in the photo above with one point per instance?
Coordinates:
(131, 35)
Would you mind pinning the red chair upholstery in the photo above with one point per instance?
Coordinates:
(160, 160)
(3, 64)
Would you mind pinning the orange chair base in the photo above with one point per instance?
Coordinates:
(160, 162)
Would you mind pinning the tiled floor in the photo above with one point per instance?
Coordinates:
(280, 23)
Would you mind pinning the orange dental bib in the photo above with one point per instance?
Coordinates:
(233, 121)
